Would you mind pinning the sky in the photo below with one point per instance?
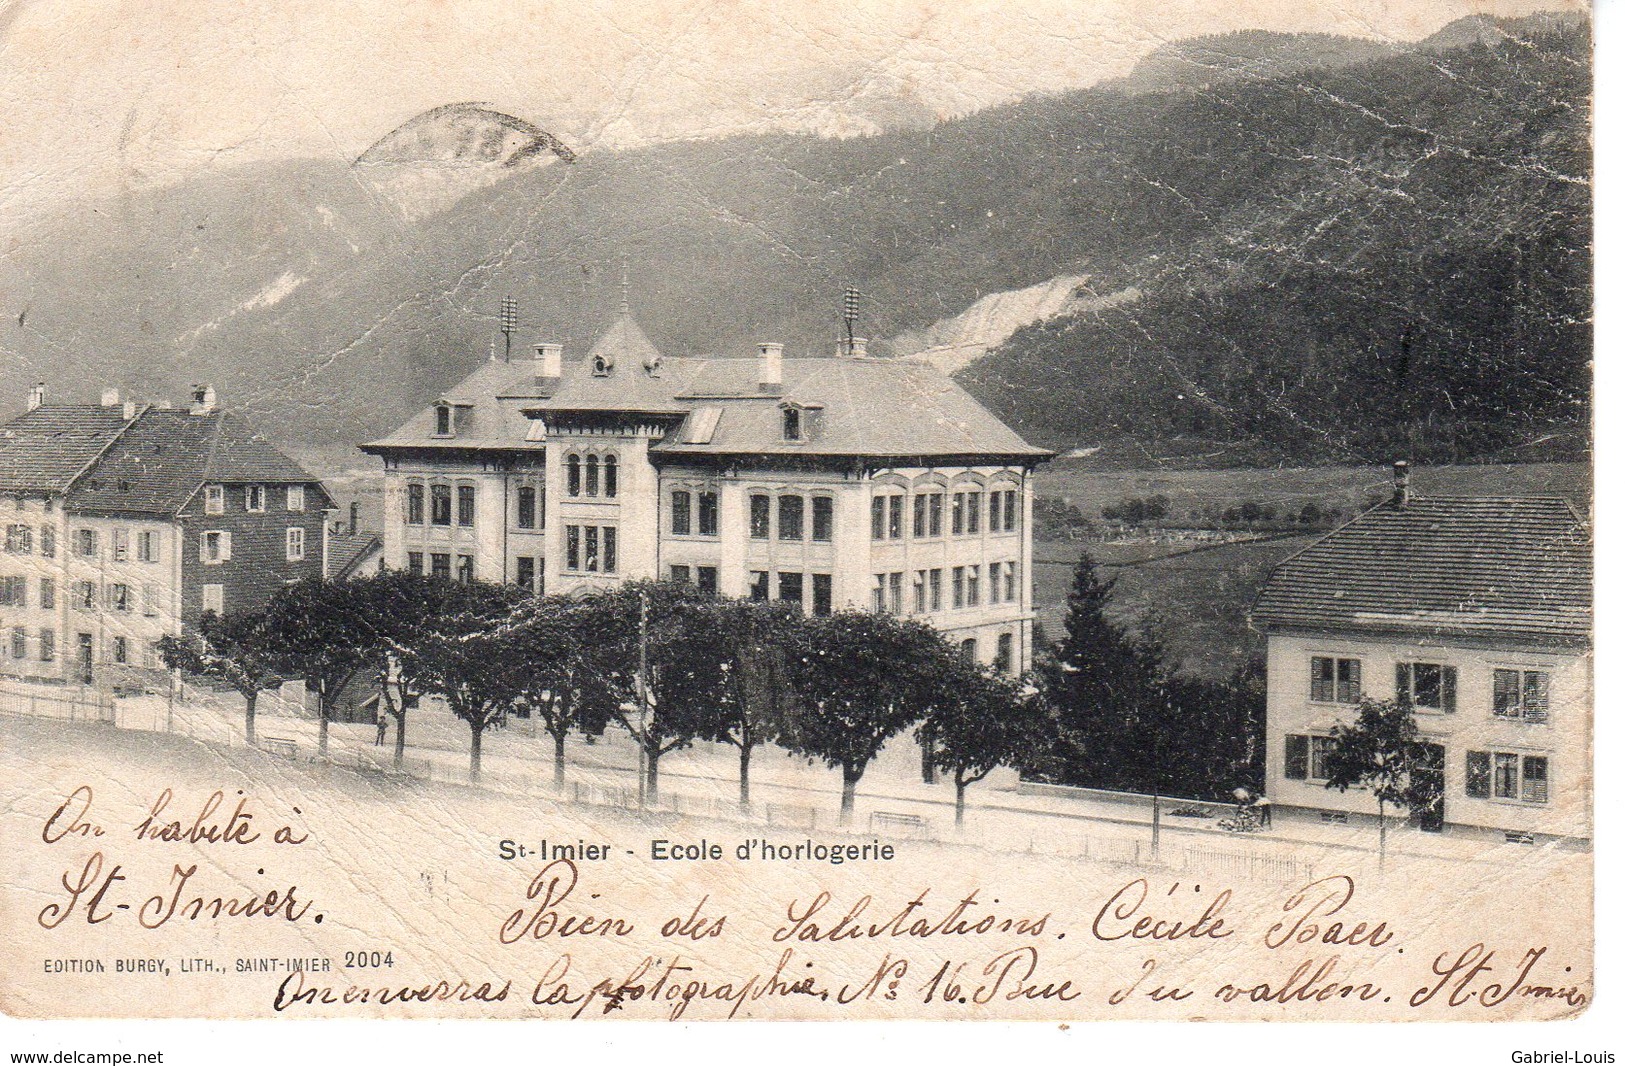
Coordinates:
(103, 95)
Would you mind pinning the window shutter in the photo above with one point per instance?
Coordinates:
(1534, 779)
(1447, 688)
(1535, 695)
(1478, 774)
(1506, 692)
(225, 547)
(1402, 682)
(1297, 757)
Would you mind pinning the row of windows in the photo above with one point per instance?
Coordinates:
(694, 513)
(433, 504)
(254, 498)
(792, 517)
(592, 475)
(1489, 774)
(792, 587)
(45, 647)
(590, 549)
(1522, 694)
(440, 565)
(214, 546)
(83, 595)
(965, 510)
(87, 543)
(1003, 586)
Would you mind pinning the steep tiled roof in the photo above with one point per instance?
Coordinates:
(1515, 568)
(870, 407)
(44, 449)
(165, 455)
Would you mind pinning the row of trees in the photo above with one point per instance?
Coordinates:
(667, 664)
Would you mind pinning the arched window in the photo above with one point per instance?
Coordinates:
(612, 476)
(572, 469)
(592, 475)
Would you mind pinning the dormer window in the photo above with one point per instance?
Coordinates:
(792, 423)
(602, 365)
(442, 420)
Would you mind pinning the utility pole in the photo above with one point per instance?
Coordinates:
(510, 323)
(643, 696)
(849, 313)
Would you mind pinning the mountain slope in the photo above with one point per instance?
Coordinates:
(1390, 221)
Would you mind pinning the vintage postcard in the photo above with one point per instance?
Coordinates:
(1018, 511)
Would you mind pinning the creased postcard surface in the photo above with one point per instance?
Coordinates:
(806, 511)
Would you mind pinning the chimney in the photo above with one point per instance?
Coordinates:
(203, 399)
(355, 509)
(129, 410)
(549, 363)
(854, 348)
(770, 367)
(1402, 484)
(36, 396)
(109, 397)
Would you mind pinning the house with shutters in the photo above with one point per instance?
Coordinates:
(829, 482)
(125, 522)
(1476, 612)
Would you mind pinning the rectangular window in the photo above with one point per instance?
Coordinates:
(465, 505)
(572, 547)
(610, 563)
(1521, 694)
(790, 587)
(20, 539)
(590, 558)
(936, 589)
(919, 592)
(894, 517)
(790, 514)
(47, 542)
(254, 498)
(959, 586)
(47, 645)
(440, 565)
(823, 526)
(414, 504)
(894, 592)
(681, 574)
(959, 514)
(147, 543)
(524, 573)
(84, 541)
(121, 544)
(1012, 588)
(14, 592)
(440, 505)
(85, 595)
(995, 511)
(1319, 749)
(973, 512)
(47, 593)
(526, 518)
(1334, 680)
(215, 547)
(1506, 775)
(877, 518)
(214, 499)
(295, 546)
(877, 594)
(934, 515)
(121, 650)
(1010, 510)
(414, 562)
(823, 593)
(758, 586)
(214, 598)
(973, 586)
(296, 497)
(149, 600)
(706, 579)
(919, 516)
(708, 514)
(1005, 657)
(19, 642)
(1427, 686)
(1297, 757)
(761, 517)
(465, 569)
(681, 501)
(995, 572)
(118, 597)
(442, 420)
